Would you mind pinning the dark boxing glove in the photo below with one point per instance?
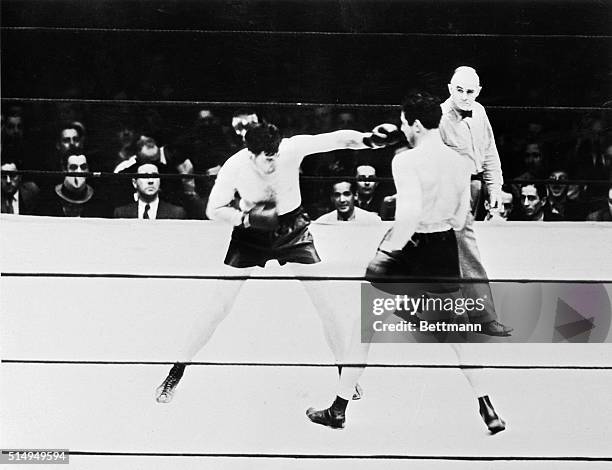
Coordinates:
(262, 217)
(384, 135)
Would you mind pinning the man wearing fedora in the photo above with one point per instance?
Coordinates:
(74, 197)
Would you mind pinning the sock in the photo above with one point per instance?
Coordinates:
(339, 405)
(477, 382)
(485, 401)
(177, 370)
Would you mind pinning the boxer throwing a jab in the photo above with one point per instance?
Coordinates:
(433, 199)
(270, 224)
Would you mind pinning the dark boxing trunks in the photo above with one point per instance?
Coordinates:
(291, 242)
(428, 255)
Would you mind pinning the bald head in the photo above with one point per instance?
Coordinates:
(465, 75)
(464, 88)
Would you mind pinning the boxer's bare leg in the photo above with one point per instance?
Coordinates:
(219, 307)
(337, 304)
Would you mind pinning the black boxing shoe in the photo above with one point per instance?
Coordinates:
(327, 417)
(494, 423)
(358, 393)
(165, 392)
(495, 328)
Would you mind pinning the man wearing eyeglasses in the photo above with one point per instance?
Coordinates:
(465, 127)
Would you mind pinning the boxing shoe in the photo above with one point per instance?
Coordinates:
(494, 423)
(165, 392)
(358, 393)
(495, 328)
(327, 417)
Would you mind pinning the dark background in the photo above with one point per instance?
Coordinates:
(220, 51)
(115, 64)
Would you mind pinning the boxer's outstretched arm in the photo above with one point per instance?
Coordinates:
(337, 140)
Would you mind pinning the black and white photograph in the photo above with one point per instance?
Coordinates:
(298, 234)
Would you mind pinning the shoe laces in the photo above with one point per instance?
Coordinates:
(169, 384)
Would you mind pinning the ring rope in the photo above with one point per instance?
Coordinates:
(103, 174)
(280, 104)
(378, 365)
(268, 33)
(242, 277)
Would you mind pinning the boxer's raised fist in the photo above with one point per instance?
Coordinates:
(384, 135)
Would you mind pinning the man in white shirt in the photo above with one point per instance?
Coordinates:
(257, 191)
(465, 127)
(433, 199)
(343, 199)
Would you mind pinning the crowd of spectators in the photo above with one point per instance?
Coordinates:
(191, 144)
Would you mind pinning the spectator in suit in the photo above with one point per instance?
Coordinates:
(605, 213)
(18, 197)
(533, 202)
(168, 160)
(367, 198)
(343, 199)
(148, 205)
(560, 206)
(147, 150)
(74, 197)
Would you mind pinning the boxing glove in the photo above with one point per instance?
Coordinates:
(262, 217)
(384, 135)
